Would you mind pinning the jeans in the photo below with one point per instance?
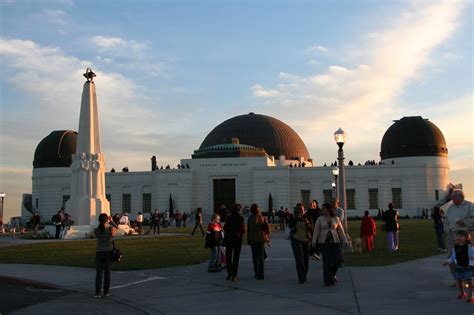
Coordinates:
(232, 256)
(195, 227)
(440, 238)
(156, 228)
(258, 260)
(392, 240)
(213, 255)
(58, 231)
(103, 264)
(301, 253)
(332, 257)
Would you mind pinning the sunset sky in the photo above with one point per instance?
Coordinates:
(169, 71)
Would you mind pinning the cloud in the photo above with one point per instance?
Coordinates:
(55, 16)
(317, 48)
(363, 98)
(118, 44)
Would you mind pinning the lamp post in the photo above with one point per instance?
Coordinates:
(340, 138)
(333, 185)
(2, 196)
(335, 172)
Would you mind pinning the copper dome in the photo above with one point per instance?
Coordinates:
(413, 136)
(56, 149)
(260, 131)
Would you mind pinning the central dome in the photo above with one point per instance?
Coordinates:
(260, 131)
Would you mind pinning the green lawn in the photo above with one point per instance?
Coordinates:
(417, 240)
(138, 253)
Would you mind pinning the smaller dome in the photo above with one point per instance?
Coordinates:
(56, 149)
(225, 150)
(413, 136)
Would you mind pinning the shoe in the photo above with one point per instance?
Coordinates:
(107, 294)
(235, 279)
(444, 250)
(471, 300)
(462, 296)
(260, 278)
(336, 279)
(97, 296)
(316, 257)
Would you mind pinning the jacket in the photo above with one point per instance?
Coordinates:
(257, 229)
(234, 228)
(367, 227)
(332, 225)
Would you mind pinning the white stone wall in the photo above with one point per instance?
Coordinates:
(193, 187)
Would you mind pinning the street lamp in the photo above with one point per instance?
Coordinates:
(333, 185)
(2, 196)
(335, 172)
(340, 138)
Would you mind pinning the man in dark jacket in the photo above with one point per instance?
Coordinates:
(234, 230)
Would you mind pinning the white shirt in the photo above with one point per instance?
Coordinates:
(454, 213)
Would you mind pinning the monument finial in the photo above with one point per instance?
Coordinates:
(89, 75)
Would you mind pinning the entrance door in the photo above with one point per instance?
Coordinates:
(224, 192)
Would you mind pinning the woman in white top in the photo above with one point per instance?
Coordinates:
(330, 236)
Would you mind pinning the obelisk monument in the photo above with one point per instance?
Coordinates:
(88, 164)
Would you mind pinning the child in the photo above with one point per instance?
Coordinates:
(213, 240)
(463, 257)
(367, 230)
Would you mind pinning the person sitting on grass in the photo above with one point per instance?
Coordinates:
(213, 240)
(463, 256)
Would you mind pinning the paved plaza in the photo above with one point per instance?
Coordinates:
(417, 287)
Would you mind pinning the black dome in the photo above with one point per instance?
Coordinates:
(413, 136)
(260, 131)
(56, 149)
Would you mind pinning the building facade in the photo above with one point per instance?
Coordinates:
(258, 159)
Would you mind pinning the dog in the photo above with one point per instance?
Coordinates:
(357, 244)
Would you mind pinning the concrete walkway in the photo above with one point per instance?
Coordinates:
(418, 287)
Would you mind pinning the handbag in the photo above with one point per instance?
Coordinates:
(116, 253)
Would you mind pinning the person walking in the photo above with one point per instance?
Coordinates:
(330, 235)
(234, 230)
(301, 236)
(56, 220)
(103, 256)
(213, 240)
(155, 219)
(368, 230)
(392, 226)
(438, 219)
(314, 212)
(258, 232)
(198, 218)
(184, 219)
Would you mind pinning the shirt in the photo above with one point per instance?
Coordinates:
(455, 213)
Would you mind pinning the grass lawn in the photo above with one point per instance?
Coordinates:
(417, 240)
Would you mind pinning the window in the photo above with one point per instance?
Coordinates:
(37, 201)
(126, 203)
(397, 198)
(327, 195)
(305, 198)
(146, 203)
(65, 199)
(436, 194)
(108, 197)
(373, 198)
(350, 195)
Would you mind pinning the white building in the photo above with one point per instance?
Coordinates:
(249, 157)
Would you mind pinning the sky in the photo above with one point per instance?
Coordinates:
(168, 72)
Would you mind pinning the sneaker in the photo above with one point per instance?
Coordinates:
(316, 257)
(235, 279)
(97, 296)
(462, 295)
(444, 250)
(107, 294)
